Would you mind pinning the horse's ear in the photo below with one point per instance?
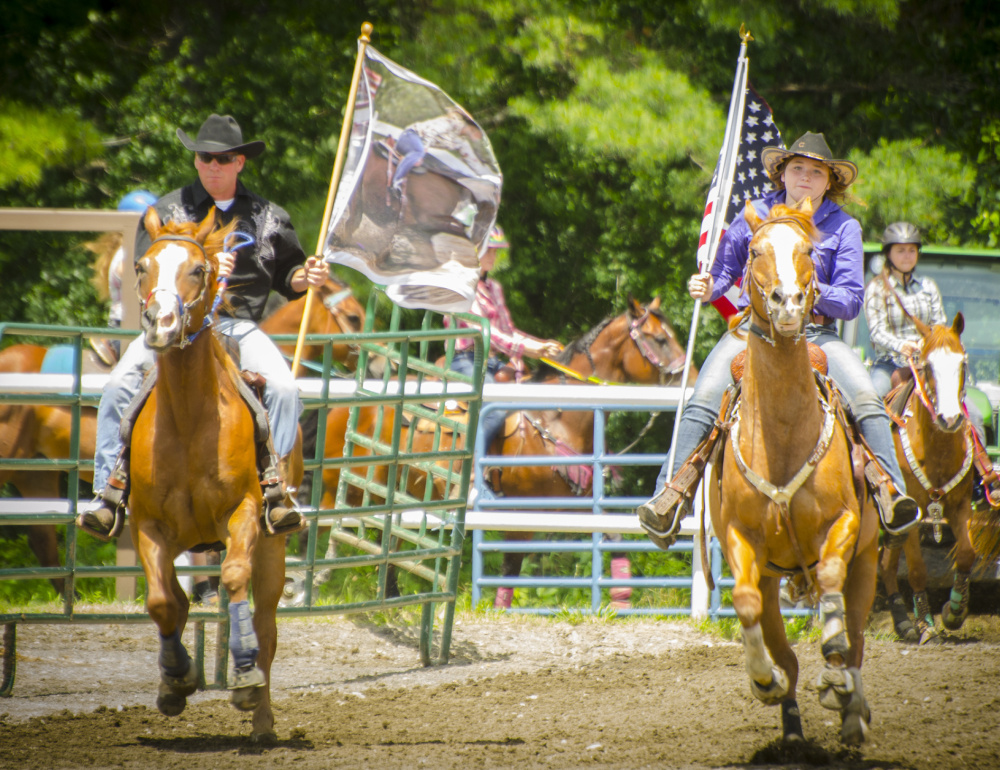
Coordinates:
(958, 325)
(152, 223)
(750, 215)
(634, 307)
(805, 206)
(655, 304)
(206, 226)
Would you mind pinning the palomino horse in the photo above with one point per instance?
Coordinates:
(194, 471)
(935, 447)
(783, 497)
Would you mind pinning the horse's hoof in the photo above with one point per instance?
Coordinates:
(775, 692)
(267, 738)
(169, 702)
(929, 636)
(791, 722)
(182, 686)
(907, 632)
(950, 620)
(856, 715)
(853, 730)
(248, 688)
(835, 686)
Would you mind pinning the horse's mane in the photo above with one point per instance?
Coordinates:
(801, 218)
(213, 243)
(942, 336)
(579, 345)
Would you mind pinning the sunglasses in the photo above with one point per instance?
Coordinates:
(223, 158)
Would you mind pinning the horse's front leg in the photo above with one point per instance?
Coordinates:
(268, 582)
(167, 605)
(246, 680)
(901, 621)
(768, 682)
(842, 640)
(956, 609)
(916, 574)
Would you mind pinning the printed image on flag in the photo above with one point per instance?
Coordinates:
(750, 181)
(419, 192)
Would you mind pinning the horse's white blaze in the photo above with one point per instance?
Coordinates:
(758, 661)
(784, 242)
(170, 261)
(947, 367)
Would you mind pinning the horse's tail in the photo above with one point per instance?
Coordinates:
(984, 530)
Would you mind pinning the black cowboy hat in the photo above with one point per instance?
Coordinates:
(813, 146)
(221, 133)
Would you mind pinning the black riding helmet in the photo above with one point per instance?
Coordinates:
(899, 232)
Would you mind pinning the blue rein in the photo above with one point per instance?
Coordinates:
(245, 240)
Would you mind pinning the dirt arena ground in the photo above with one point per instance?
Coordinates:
(519, 692)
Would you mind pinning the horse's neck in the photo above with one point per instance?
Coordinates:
(780, 411)
(185, 376)
(606, 357)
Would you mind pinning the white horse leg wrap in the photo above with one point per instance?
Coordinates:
(759, 664)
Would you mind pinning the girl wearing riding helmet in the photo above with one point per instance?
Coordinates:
(894, 336)
(807, 169)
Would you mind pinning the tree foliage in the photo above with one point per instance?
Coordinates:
(606, 118)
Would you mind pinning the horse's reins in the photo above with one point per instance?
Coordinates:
(187, 306)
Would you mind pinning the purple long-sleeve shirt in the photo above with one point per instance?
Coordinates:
(839, 258)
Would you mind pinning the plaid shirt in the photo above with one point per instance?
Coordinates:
(888, 326)
(504, 336)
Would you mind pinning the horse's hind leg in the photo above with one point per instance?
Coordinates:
(268, 582)
(167, 605)
(773, 627)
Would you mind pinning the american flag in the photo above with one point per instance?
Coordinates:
(749, 181)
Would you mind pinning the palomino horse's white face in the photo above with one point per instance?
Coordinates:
(173, 277)
(781, 268)
(942, 372)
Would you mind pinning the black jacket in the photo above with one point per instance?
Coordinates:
(265, 265)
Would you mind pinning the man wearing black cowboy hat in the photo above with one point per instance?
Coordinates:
(275, 260)
(807, 169)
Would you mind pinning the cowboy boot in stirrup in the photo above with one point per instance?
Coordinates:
(280, 516)
(661, 516)
(899, 512)
(106, 521)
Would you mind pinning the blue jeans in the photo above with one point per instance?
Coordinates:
(882, 378)
(257, 354)
(492, 423)
(845, 369)
(410, 146)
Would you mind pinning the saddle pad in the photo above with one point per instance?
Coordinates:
(817, 358)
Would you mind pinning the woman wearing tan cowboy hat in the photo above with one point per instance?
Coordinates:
(807, 169)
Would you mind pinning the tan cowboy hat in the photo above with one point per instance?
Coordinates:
(221, 133)
(813, 146)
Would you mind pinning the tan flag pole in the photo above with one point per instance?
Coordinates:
(338, 167)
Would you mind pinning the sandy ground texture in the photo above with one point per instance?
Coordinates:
(519, 692)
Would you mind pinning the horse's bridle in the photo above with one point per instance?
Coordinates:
(749, 280)
(185, 339)
(641, 342)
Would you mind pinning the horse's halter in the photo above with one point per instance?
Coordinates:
(642, 342)
(185, 339)
(750, 280)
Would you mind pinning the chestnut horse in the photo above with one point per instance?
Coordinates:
(27, 432)
(194, 471)
(934, 444)
(638, 346)
(783, 497)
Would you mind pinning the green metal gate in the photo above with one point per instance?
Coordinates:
(387, 526)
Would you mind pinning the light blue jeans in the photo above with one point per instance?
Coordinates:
(845, 369)
(257, 354)
(882, 379)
